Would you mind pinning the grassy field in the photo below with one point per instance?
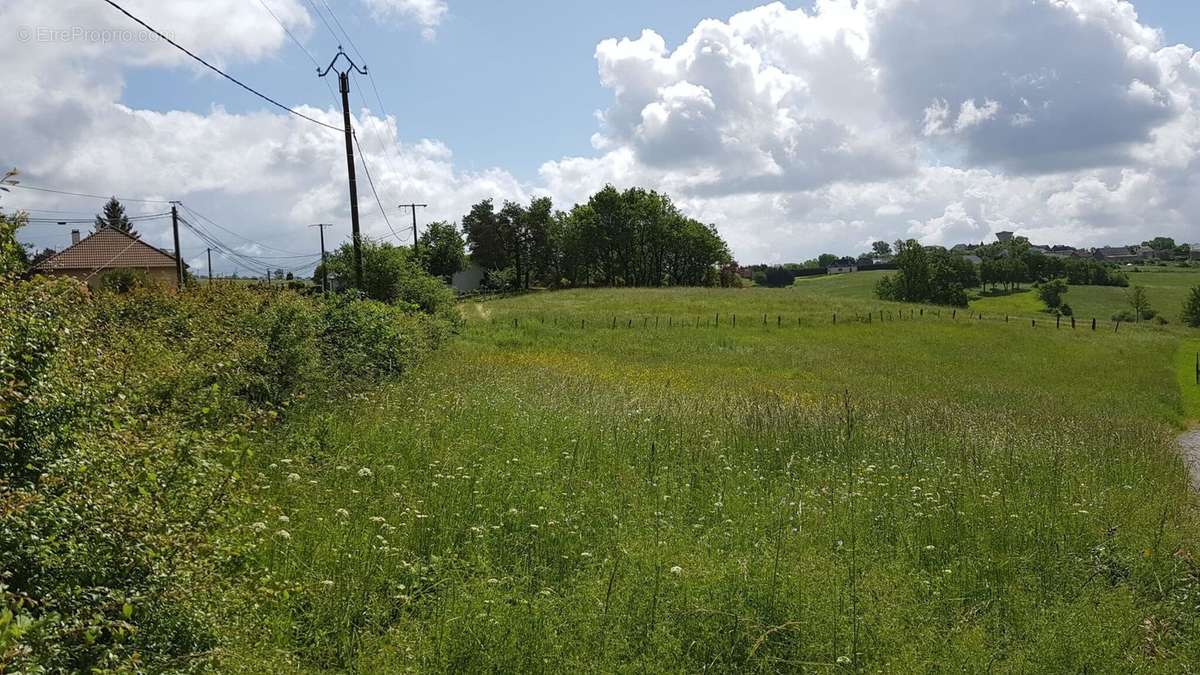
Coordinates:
(1166, 287)
(916, 494)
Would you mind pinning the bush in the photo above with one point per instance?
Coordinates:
(1065, 310)
(1191, 309)
(126, 420)
(392, 275)
(124, 280)
(1124, 315)
(1052, 292)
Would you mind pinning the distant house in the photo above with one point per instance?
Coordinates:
(1004, 237)
(106, 250)
(1059, 251)
(468, 280)
(1118, 254)
(842, 268)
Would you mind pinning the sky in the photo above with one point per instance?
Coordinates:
(796, 128)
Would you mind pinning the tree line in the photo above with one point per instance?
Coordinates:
(635, 237)
(933, 274)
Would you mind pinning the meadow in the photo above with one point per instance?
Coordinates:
(625, 481)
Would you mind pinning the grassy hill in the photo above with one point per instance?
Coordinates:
(610, 480)
(1166, 287)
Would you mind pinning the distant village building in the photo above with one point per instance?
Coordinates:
(1004, 237)
(1118, 254)
(842, 268)
(104, 251)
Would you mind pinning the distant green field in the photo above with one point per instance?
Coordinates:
(610, 480)
(1166, 287)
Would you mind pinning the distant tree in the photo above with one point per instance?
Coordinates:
(440, 250)
(826, 260)
(482, 229)
(1191, 309)
(927, 275)
(1138, 302)
(881, 248)
(1052, 292)
(1160, 243)
(289, 276)
(113, 216)
(279, 274)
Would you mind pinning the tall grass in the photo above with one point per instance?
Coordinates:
(553, 493)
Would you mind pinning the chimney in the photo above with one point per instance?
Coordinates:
(74, 237)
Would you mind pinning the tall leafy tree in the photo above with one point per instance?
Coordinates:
(482, 228)
(113, 216)
(441, 250)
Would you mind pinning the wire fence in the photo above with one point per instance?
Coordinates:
(643, 321)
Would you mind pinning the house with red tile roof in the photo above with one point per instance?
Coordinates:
(105, 250)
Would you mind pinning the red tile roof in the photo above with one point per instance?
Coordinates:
(107, 249)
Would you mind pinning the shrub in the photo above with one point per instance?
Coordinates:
(124, 280)
(1066, 310)
(1191, 308)
(1124, 315)
(125, 421)
(1052, 292)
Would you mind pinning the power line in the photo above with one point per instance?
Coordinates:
(220, 72)
(299, 44)
(370, 182)
(84, 194)
(349, 39)
(323, 20)
(210, 221)
(87, 221)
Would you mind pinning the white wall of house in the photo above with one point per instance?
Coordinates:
(468, 280)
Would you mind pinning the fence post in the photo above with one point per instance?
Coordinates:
(764, 319)
(630, 324)
(1072, 323)
(1093, 323)
(735, 320)
(1033, 323)
(922, 311)
(1058, 321)
(835, 318)
(582, 324)
(1118, 326)
(779, 321)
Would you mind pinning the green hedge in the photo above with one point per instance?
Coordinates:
(124, 422)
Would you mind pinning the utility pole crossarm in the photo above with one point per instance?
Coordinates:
(344, 87)
(414, 208)
(324, 266)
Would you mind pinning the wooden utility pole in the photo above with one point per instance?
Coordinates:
(178, 256)
(209, 252)
(324, 268)
(414, 208)
(344, 87)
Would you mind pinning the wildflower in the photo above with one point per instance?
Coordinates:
(284, 519)
(377, 519)
(293, 477)
(259, 526)
(343, 513)
(842, 660)
(677, 570)
(364, 472)
(284, 535)
(327, 583)
(493, 581)
(930, 547)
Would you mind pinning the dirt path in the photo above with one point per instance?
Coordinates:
(1190, 444)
